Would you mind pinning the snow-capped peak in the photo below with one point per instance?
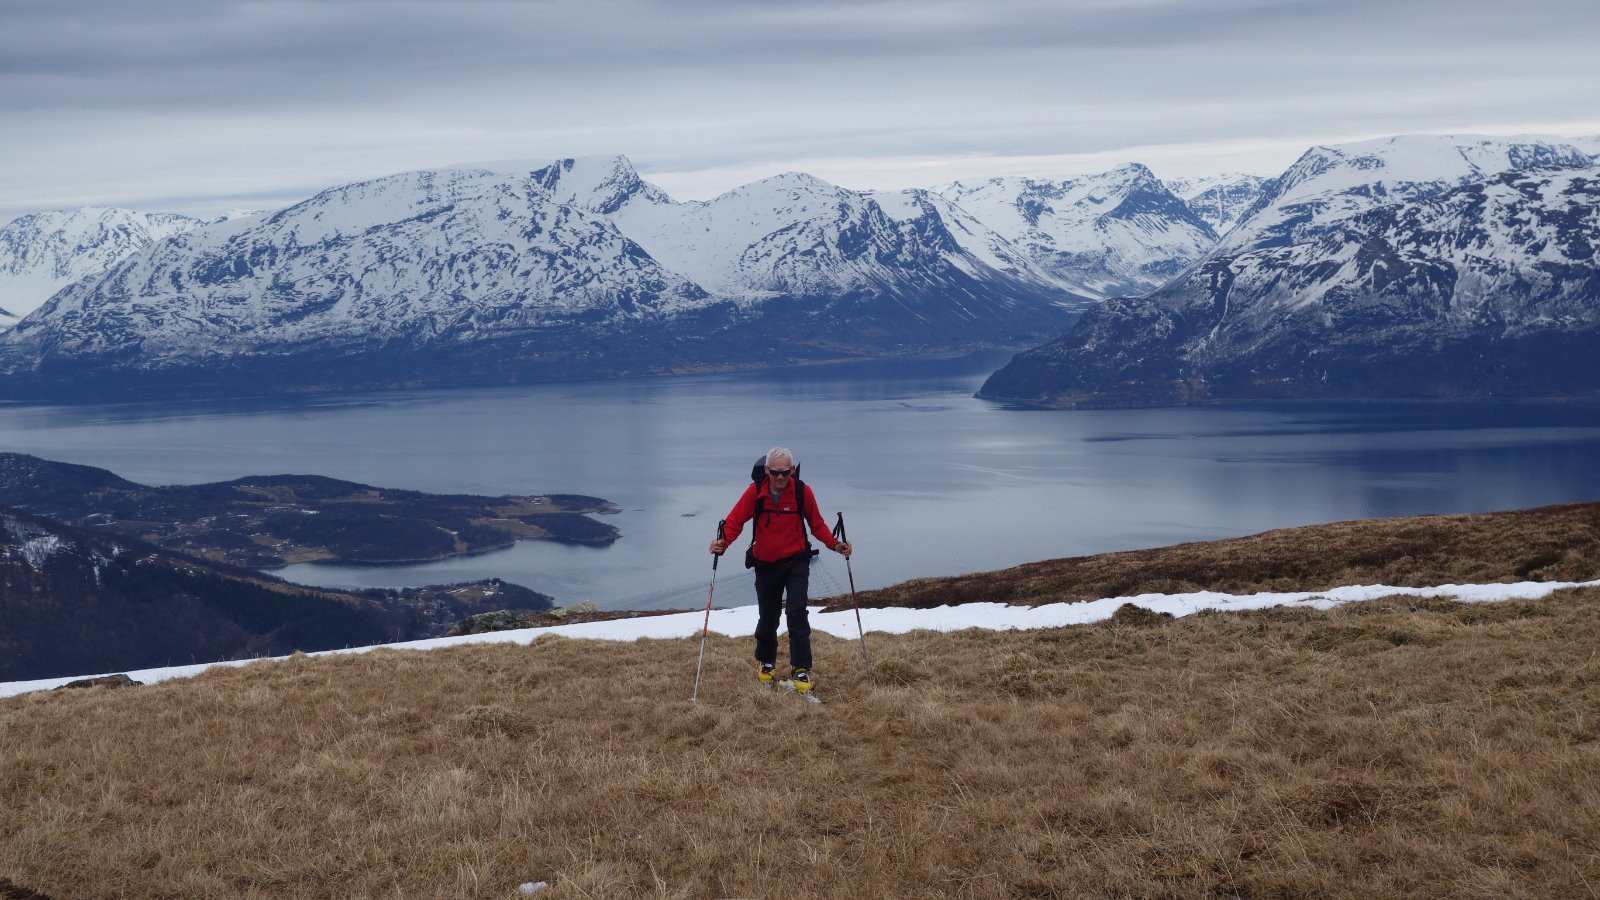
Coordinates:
(1189, 188)
(1116, 232)
(404, 257)
(1332, 182)
(534, 262)
(601, 184)
(44, 252)
(236, 214)
(1220, 199)
(1393, 162)
(707, 240)
(1589, 144)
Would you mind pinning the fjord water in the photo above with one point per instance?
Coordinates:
(932, 481)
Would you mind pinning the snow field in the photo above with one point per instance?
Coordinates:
(740, 621)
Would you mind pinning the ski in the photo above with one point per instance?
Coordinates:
(808, 695)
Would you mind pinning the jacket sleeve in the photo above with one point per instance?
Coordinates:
(740, 514)
(819, 525)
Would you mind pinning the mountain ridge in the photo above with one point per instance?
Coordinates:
(579, 268)
(44, 252)
(1486, 289)
(1117, 232)
(471, 276)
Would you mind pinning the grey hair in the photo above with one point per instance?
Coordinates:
(776, 452)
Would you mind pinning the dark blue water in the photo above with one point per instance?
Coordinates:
(931, 481)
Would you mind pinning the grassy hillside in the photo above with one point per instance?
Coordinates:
(1381, 749)
(1551, 543)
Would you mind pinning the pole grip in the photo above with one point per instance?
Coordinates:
(717, 557)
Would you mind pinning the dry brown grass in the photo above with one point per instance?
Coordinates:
(1384, 749)
(1553, 543)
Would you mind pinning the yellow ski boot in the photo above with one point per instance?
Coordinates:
(801, 684)
(802, 681)
(765, 675)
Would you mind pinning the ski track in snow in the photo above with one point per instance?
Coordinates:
(741, 621)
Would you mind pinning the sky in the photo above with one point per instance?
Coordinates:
(200, 106)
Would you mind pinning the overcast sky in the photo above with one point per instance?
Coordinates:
(201, 105)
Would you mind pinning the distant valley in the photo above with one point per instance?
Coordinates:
(98, 572)
(76, 601)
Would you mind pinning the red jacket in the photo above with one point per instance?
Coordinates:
(779, 531)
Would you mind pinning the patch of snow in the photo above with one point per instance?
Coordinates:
(741, 621)
(232, 214)
(39, 550)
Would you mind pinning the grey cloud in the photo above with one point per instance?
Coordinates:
(256, 96)
(181, 53)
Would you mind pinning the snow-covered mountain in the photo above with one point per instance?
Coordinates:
(43, 253)
(408, 257)
(1331, 183)
(791, 234)
(1121, 232)
(240, 213)
(1220, 200)
(1489, 289)
(568, 269)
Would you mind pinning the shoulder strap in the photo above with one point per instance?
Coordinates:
(755, 518)
(800, 506)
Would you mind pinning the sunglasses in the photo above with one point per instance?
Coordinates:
(780, 473)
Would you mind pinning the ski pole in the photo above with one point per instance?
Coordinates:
(706, 629)
(838, 532)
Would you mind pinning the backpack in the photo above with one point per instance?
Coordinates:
(758, 472)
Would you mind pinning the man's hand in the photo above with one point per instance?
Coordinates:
(842, 548)
(718, 546)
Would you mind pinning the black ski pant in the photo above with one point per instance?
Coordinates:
(773, 580)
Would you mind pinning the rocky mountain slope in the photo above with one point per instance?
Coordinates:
(43, 253)
(74, 600)
(576, 269)
(1486, 290)
(1121, 232)
(794, 235)
(1221, 200)
(1329, 184)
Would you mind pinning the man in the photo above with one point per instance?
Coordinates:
(782, 559)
